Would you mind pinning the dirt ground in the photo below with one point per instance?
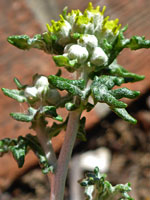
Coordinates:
(130, 148)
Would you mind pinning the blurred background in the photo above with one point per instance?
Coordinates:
(121, 150)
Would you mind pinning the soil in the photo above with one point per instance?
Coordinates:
(130, 148)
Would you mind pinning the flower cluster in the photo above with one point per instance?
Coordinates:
(82, 36)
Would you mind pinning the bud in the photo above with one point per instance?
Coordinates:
(31, 93)
(89, 41)
(78, 52)
(99, 57)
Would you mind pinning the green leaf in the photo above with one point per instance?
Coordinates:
(116, 70)
(101, 90)
(24, 42)
(62, 61)
(70, 106)
(36, 148)
(124, 92)
(97, 188)
(15, 94)
(50, 111)
(24, 117)
(19, 85)
(137, 42)
(45, 42)
(74, 87)
(18, 147)
(134, 43)
(124, 115)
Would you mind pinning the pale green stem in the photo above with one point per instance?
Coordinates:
(59, 178)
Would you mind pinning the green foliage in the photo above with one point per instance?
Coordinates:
(24, 117)
(101, 89)
(20, 147)
(15, 94)
(116, 70)
(97, 188)
(37, 149)
(74, 87)
(45, 111)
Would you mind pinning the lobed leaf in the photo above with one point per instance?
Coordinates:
(18, 147)
(36, 148)
(50, 111)
(15, 94)
(24, 42)
(101, 89)
(25, 117)
(63, 61)
(74, 87)
(97, 188)
(116, 70)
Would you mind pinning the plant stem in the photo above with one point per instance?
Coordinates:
(59, 178)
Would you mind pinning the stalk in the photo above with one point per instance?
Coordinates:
(59, 178)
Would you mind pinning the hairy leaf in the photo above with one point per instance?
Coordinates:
(50, 111)
(15, 94)
(43, 41)
(97, 188)
(24, 117)
(101, 90)
(24, 42)
(116, 70)
(121, 112)
(134, 43)
(63, 61)
(36, 148)
(74, 87)
(18, 84)
(18, 147)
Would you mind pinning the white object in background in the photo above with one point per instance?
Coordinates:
(100, 157)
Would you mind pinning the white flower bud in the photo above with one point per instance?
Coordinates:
(78, 52)
(99, 57)
(64, 32)
(88, 41)
(30, 92)
(41, 81)
(67, 47)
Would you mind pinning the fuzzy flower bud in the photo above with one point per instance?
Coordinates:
(77, 52)
(41, 81)
(31, 93)
(89, 41)
(99, 57)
